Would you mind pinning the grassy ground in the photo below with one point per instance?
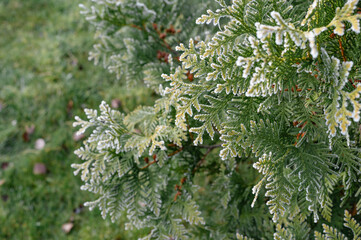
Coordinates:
(45, 80)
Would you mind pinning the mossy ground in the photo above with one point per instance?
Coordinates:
(45, 80)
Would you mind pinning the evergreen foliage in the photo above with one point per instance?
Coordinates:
(276, 87)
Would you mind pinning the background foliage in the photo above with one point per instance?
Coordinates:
(46, 79)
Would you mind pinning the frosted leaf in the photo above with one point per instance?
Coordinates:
(345, 14)
(344, 73)
(311, 38)
(241, 237)
(247, 64)
(212, 16)
(285, 28)
(356, 104)
(264, 31)
(338, 115)
(310, 11)
(191, 213)
(299, 37)
(318, 31)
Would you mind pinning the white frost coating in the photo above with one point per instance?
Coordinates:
(345, 72)
(279, 39)
(356, 27)
(266, 48)
(246, 63)
(260, 166)
(263, 31)
(252, 41)
(318, 31)
(277, 17)
(285, 28)
(311, 38)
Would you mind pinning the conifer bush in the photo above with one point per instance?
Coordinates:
(255, 131)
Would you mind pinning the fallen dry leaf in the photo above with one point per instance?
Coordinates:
(116, 103)
(26, 137)
(39, 169)
(78, 209)
(30, 129)
(4, 197)
(70, 105)
(39, 144)
(2, 181)
(4, 165)
(67, 227)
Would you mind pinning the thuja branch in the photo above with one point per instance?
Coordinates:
(202, 160)
(175, 152)
(151, 163)
(210, 146)
(256, 80)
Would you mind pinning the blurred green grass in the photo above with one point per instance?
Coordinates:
(46, 80)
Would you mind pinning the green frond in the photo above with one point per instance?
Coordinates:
(353, 225)
(178, 231)
(350, 160)
(191, 213)
(326, 210)
(212, 16)
(282, 233)
(187, 103)
(241, 237)
(212, 118)
(332, 233)
(279, 189)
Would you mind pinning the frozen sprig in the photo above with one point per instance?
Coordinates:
(286, 29)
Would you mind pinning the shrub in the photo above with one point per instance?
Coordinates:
(276, 88)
